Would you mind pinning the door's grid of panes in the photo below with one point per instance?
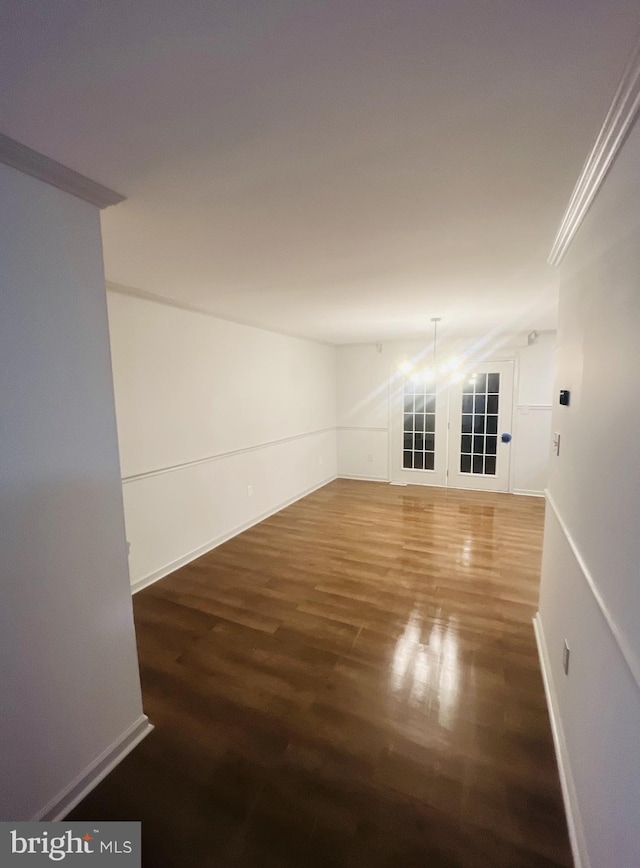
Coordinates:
(479, 439)
(419, 425)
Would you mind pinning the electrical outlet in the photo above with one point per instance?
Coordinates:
(320, 461)
(249, 490)
(565, 657)
(369, 457)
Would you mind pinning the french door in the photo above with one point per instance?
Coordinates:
(480, 412)
(419, 432)
(455, 433)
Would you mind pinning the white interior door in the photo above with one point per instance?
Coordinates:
(455, 434)
(480, 417)
(419, 432)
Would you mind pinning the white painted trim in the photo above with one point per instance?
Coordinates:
(155, 298)
(502, 491)
(424, 485)
(392, 377)
(364, 478)
(395, 344)
(623, 646)
(572, 810)
(76, 791)
(620, 118)
(134, 477)
(547, 407)
(182, 561)
(37, 165)
(361, 428)
(511, 475)
(528, 492)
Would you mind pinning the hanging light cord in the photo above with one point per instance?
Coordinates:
(435, 320)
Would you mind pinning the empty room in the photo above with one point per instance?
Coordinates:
(318, 474)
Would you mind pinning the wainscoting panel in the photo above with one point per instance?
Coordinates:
(594, 709)
(363, 453)
(175, 515)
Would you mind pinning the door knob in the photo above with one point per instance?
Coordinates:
(506, 438)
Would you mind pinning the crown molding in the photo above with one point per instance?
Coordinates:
(619, 120)
(33, 163)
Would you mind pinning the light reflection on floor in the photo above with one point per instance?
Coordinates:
(425, 666)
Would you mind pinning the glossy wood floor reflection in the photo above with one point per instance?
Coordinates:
(353, 682)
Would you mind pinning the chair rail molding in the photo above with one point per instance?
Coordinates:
(620, 118)
(171, 468)
(627, 653)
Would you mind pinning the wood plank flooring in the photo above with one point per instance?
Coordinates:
(353, 682)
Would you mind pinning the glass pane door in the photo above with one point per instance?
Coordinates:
(479, 424)
(419, 425)
(480, 413)
(419, 432)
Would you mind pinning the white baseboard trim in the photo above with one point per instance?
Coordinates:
(363, 478)
(75, 792)
(528, 492)
(572, 811)
(361, 428)
(182, 561)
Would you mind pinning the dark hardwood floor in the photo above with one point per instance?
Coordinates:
(353, 682)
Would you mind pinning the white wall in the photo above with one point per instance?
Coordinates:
(363, 411)
(366, 374)
(207, 408)
(69, 677)
(532, 418)
(590, 590)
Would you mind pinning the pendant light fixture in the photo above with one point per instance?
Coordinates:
(451, 367)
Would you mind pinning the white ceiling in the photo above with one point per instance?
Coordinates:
(343, 169)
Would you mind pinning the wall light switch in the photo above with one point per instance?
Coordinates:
(565, 657)
(556, 443)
